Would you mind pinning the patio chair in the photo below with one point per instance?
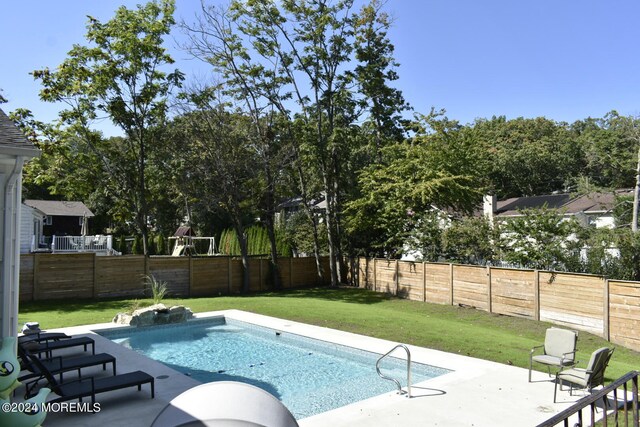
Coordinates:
(90, 386)
(59, 365)
(559, 350)
(47, 346)
(586, 379)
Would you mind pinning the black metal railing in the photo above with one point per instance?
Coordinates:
(616, 408)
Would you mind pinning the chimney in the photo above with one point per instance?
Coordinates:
(489, 206)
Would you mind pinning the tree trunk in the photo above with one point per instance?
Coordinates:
(636, 197)
(311, 217)
(244, 253)
(331, 235)
(273, 260)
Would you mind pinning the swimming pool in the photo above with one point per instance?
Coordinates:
(309, 376)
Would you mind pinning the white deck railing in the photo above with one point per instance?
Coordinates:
(99, 244)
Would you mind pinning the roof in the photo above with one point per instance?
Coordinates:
(60, 208)
(12, 140)
(592, 203)
(183, 230)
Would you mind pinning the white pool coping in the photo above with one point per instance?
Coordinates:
(476, 393)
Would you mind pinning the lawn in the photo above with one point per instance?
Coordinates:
(452, 329)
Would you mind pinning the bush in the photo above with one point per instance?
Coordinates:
(137, 248)
(156, 289)
(161, 247)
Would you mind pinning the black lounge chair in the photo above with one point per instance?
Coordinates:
(47, 347)
(90, 386)
(59, 365)
(42, 336)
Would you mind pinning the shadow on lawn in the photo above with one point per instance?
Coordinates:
(74, 305)
(339, 294)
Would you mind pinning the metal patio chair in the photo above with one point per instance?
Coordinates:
(559, 350)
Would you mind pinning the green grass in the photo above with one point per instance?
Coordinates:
(454, 329)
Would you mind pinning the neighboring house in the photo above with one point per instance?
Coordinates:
(291, 206)
(59, 226)
(594, 209)
(15, 150)
(61, 218)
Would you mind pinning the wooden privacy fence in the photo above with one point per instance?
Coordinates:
(63, 276)
(608, 308)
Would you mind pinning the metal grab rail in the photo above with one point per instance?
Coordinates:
(383, 376)
(591, 401)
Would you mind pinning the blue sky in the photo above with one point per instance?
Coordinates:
(565, 60)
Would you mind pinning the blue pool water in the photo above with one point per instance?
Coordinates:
(309, 376)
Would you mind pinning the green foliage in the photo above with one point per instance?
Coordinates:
(629, 246)
(137, 248)
(425, 233)
(161, 245)
(257, 242)
(122, 244)
(437, 168)
(527, 157)
(117, 75)
(541, 239)
(156, 289)
(470, 240)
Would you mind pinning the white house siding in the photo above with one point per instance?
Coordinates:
(27, 217)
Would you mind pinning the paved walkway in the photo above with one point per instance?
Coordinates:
(477, 393)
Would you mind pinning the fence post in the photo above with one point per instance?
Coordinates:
(375, 275)
(95, 275)
(260, 273)
(36, 267)
(190, 275)
(290, 272)
(489, 296)
(450, 283)
(230, 276)
(536, 295)
(397, 276)
(605, 323)
(424, 281)
(367, 284)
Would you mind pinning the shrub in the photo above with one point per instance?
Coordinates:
(156, 289)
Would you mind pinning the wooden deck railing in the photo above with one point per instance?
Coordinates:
(613, 401)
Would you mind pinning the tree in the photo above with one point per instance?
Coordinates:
(527, 157)
(215, 163)
(437, 168)
(119, 74)
(299, 53)
(470, 240)
(541, 239)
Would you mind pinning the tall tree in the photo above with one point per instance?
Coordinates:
(214, 159)
(120, 75)
(437, 169)
(301, 54)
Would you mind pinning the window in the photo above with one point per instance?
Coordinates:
(48, 220)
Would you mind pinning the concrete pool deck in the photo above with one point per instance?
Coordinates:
(477, 392)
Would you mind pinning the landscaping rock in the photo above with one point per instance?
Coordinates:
(157, 314)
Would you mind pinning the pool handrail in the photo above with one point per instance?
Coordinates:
(400, 391)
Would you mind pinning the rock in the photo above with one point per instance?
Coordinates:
(122, 319)
(157, 314)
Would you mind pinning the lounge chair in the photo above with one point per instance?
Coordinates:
(586, 379)
(559, 350)
(90, 386)
(39, 347)
(59, 365)
(42, 336)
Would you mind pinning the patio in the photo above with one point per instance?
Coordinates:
(478, 393)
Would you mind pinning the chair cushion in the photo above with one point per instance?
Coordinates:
(552, 360)
(575, 376)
